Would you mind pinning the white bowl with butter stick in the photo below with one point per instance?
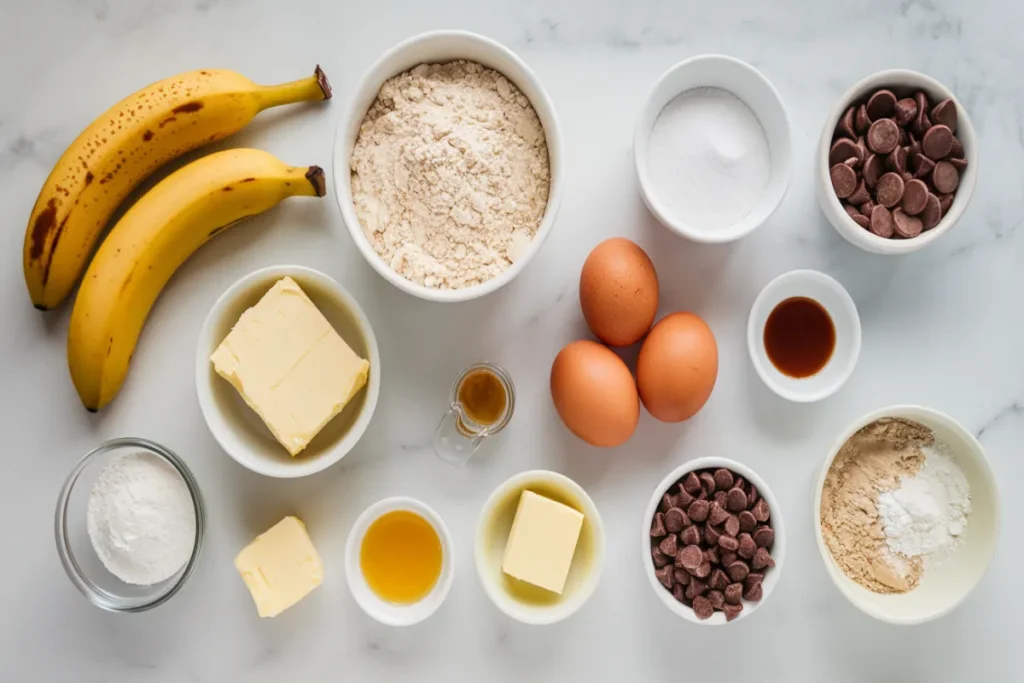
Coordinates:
(292, 400)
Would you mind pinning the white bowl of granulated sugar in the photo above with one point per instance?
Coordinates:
(906, 514)
(712, 149)
(448, 166)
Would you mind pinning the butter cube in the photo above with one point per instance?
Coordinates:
(280, 567)
(542, 542)
(290, 365)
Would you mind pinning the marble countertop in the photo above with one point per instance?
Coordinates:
(942, 327)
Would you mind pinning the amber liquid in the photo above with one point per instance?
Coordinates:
(483, 398)
(799, 337)
(401, 557)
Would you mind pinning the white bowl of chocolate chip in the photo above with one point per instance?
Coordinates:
(448, 166)
(713, 541)
(876, 183)
(906, 514)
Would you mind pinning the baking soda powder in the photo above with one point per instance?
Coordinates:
(141, 519)
(708, 158)
(927, 515)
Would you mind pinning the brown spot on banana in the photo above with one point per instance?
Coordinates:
(187, 108)
(44, 223)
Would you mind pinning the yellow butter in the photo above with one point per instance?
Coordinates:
(280, 567)
(290, 365)
(542, 542)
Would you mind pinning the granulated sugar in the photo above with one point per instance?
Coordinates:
(708, 158)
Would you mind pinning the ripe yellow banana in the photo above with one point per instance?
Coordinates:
(123, 146)
(151, 241)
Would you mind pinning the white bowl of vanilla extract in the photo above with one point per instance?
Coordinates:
(804, 336)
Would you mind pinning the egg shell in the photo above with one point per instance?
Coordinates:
(594, 394)
(619, 292)
(677, 367)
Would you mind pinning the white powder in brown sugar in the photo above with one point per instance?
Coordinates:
(450, 174)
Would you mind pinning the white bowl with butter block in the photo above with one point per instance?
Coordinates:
(539, 547)
(293, 398)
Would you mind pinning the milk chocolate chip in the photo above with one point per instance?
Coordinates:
(915, 196)
(932, 213)
(881, 105)
(937, 143)
(844, 180)
(846, 126)
(945, 177)
(945, 113)
(883, 136)
(906, 226)
(889, 191)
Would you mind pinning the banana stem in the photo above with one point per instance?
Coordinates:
(316, 87)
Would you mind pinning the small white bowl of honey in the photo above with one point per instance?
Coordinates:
(398, 561)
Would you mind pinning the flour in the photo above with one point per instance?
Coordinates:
(450, 174)
(708, 158)
(141, 519)
(927, 515)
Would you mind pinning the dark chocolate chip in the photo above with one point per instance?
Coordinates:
(732, 525)
(881, 105)
(945, 201)
(738, 570)
(698, 510)
(761, 511)
(897, 160)
(726, 558)
(717, 514)
(861, 120)
(762, 559)
(702, 608)
(747, 521)
(937, 143)
(682, 576)
(883, 136)
(690, 557)
(874, 167)
(754, 577)
(719, 580)
(728, 543)
(683, 498)
(747, 546)
(764, 537)
(866, 207)
(675, 520)
(720, 498)
(690, 535)
(932, 213)
(707, 481)
(668, 501)
(695, 589)
(669, 545)
(958, 149)
(733, 593)
(921, 122)
(711, 534)
(859, 196)
(922, 165)
(702, 570)
(754, 592)
(845, 127)
(716, 599)
(732, 611)
(691, 484)
(944, 113)
(737, 500)
(889, 191)
(660, 558)
(711, 555)
(658, 525)
(906, 110)
(844, 180)
(959, 164)
(723, 479)
(679, 592)
(945, 177)
(915, 196)
(752, 493)
(664, 575)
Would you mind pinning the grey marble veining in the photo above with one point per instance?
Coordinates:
(942, 327)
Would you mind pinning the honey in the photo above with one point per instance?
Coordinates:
(401, 557)
(483, 398)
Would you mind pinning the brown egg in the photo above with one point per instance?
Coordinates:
(594, 394)
(618, 292)
(677, 367)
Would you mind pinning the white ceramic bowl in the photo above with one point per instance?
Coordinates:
(439, 47)
(385, 612)
(237, 428)
(943, 588)
(778, 549)
(746, 83)
(522, 602)
(840, 307)
(903, 83)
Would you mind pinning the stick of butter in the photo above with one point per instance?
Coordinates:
(542, 542)
(280, 567)
(290, 365)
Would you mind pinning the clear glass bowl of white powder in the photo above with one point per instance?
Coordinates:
(129, 525)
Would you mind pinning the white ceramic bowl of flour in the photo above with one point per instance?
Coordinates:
(945, 586)
(433, 48)
(730, 174)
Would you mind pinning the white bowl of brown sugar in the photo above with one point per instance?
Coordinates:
(448, 166)
(906, 514)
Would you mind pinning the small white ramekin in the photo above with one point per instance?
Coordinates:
(386, 612)
(492, 533)
(943, 588)
(239, 430)
(778, 550)
(751, 86)
(843, 312)
(902, 82)
(431, 48)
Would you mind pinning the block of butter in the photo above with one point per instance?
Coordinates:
(280, 567)
(542, 542)
(290, 365)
